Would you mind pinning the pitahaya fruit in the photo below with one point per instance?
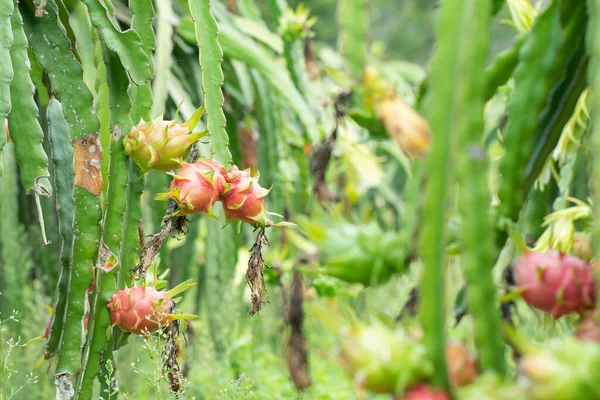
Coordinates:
(490, 386)
(162, 145)
(244, 200)
(424, 392)
(196, 187)
(461, 364)
(556, 283)
(384, 361)
(143, 309)
(562, 370)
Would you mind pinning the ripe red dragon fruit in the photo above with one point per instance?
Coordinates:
(143, 309)
(245, 198)
(424, 392)
(196, 187)
(162, 145)
(556, 283)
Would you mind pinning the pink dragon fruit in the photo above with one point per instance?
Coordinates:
(424, 392)
(143, 309)
(196, 187)
(244, 200)
(162, 145)
(556, 283)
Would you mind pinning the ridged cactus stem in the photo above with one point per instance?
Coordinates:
(108, 262)
(127, 44)
(62, 158)
(593, 47)
(27, 133)
(474, 202)
(211, 56)
(449, 83)
(6, 71)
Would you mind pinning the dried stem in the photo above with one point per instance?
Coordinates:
(171, 353)
(173, 225)
(297, 354)
(322, 156)
(255, 273)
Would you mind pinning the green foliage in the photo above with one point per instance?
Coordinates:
(128, 45)
(384, 239)
(53, 52)
(352, 17)
(533, 80)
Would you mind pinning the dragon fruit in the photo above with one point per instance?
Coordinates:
(244, 199)
(556, 283)
(143, 309)
(566, 369)
(424, 392)
(490, 386)
(162, 145)
(384, 361)
(196, 187)
(461, 364)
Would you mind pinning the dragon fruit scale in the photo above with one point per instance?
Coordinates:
(162, 145)
(196, 187)
(244, 199)
(143, 309)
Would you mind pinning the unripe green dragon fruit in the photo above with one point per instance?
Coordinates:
(244, 199)
(563, 370)
(384, 361)
(491, 387)
(196, 187)
(162, 145)
(356, 253)
(143, 309)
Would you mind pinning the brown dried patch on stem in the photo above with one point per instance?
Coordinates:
(255, 274)
(87, 157)
(171, 354)
(106, 259)
(297, 354)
